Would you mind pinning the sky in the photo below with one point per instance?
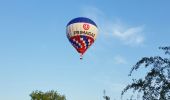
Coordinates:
(35, 53)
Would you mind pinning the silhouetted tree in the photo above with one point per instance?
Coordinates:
(106, 97)
(156, 83)
(50, 95)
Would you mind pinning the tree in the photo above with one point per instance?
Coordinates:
(49, 95)
(156, 83)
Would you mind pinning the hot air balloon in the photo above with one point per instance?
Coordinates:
(81, 32)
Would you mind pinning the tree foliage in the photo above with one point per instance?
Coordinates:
(156, 83)
(50, 95)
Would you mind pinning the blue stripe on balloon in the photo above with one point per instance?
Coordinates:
(74, 43)
(82, 19)
(86, 40)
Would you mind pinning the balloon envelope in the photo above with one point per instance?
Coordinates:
(81, 32)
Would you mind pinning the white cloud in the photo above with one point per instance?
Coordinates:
(119, 60)
(129, 36)
(113, 28)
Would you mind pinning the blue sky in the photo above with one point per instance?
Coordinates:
(36, 55)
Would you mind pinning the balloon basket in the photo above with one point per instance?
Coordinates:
(81, 56)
